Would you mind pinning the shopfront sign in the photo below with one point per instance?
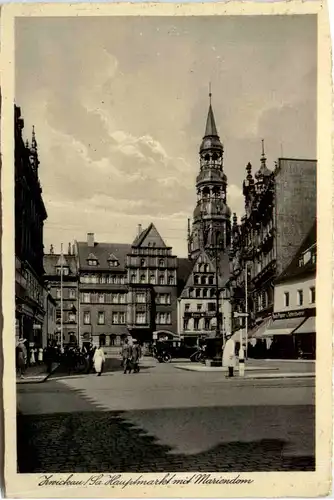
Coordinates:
(297, 313)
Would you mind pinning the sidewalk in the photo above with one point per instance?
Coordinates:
(36, 374)
(260, 369)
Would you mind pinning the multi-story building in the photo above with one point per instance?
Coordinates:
(152, 279)
(50, 318)
(197, 304)
(30, 215)
(280, 205)
(102, 291)
(64, 292)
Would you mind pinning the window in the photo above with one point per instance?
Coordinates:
(114, 298)
(86, 298)
(185, 324)
(206, 324)
(58, 315)
(171, 280)
(72, 293)
(161, 263)
(196, 324)
(163, 298)
(300, 297)
(92, 262)
(163, 318)
(71, 317)
(199, 307)
(210, 280)
(198, 292)
(122, 318)
(205, 292)
(101, 298)
(191, 292)
(212, 292)
(161, 279)
(140, 298)
(286, 299)
(211, 306)
(113, 263)
(312, 295)
(133, 278)
(152, 279)
(58, 293)
(103, 278)
(102, 339)
(196, 280)
(206, 268)
(140, 318)
(203, 280)
(100, 318)
(65, 271)
(114, 318)
(86, 318)
(142, 278)
(187, 307)
(122, 298)
(142, 262)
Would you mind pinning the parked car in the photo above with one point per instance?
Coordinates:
(166, 350)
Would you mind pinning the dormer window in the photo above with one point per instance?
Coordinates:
(113, 261)
(65, 271)
(92, 260)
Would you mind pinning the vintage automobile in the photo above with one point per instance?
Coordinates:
(166, 350)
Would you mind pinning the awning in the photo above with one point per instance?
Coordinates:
(307, 327)
(257, 332)
(282, 327)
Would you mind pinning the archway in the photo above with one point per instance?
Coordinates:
(102, 339)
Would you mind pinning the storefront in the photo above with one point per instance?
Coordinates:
(285, 335)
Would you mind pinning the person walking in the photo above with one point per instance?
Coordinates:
(229, 357)
(99, 360)
(136, 355)
(32, 356)
(127, 356)
(40, 356)
(21, 357)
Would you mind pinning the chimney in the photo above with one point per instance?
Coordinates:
(139, 229)
(90, 239)
(69, 249)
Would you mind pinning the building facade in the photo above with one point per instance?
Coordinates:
(64, 293)
(50, 318)
(30, 214)
(152, 279)
(280, 205)
(197, 304)
(211, 219)
(103, 291)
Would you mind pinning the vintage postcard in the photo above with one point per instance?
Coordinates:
(166, 190)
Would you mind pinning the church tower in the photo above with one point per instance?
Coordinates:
(211, 228)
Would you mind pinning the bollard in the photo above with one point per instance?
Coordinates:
(241, 362)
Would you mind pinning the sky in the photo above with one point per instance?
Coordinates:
(119, 106)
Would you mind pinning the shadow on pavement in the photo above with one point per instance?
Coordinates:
(93, 441)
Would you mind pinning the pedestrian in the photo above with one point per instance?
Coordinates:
(229, 357)
(127, 356)
(40, 356)
(32, 356)
(99, 360)
(136, 355)
(21, 357)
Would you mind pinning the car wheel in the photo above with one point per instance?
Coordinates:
(167, 358)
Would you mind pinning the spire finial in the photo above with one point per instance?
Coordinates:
(263, 156)
(262, 147)
(210, 93)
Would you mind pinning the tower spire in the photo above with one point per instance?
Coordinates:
(263, 156)
(210, 93)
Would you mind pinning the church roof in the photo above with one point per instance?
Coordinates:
(210, 128)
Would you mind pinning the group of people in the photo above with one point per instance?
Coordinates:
(131, 354)
(35, 356)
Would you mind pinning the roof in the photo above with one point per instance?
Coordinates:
(294, 270)
(149, 236)
(103, 253)
(210, 128)
(52, 261)
(184, 268)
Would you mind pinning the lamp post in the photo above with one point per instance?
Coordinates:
(246, 307)
(61, 298)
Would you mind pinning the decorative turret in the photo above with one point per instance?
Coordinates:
(33, 154)
(211, 224)
(263, 174)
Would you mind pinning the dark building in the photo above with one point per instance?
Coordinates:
(211, 218)
(102, 291)
(280, 205)
(30, 215)
(54, 264)
(152, 278)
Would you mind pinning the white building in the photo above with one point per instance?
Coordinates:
(197, 311)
